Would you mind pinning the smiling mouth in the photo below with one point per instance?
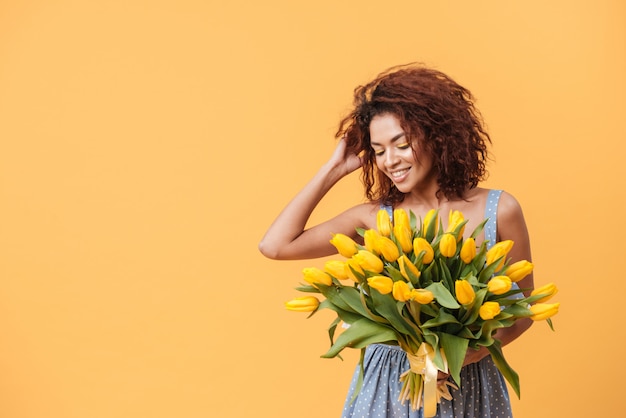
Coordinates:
(399, 173)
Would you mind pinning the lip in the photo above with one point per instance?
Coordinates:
(401, 177)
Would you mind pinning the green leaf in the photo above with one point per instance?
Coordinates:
(479, 228)
(371, 314)
(487, 330)
(518, 311)
(455, 349)
(386, 306)
(346, 316)
(442, 318)
(413, 220)
(359, 381)
(332, 294)
(308, 289)
(443, 295)
(361, 333)
(394, 273)
(352, 297)
(509, 374)
(444, 271)
(488, 271)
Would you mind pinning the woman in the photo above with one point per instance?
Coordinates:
(421, 145)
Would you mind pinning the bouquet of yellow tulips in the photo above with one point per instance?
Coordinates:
(428, 290)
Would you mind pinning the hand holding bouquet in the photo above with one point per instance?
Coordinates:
(430, 291)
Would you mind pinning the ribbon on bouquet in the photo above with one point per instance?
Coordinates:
(422, 363)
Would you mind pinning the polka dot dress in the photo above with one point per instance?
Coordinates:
(483, 391)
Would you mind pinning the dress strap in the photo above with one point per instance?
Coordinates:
(491, 214)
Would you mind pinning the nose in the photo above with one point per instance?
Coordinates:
(391, 158)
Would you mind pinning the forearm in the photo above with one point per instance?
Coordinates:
(291, 221)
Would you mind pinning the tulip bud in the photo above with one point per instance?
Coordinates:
(544, 310)
(422, 296)
(464, 292)
(381, 283)
(351, 264)
(303, 304)
(368, 261)
(401, 291)
(337, 269)
(387, 248)
(383, 223)
(499, 285)
(369, 237)
(454, 220)
(489, 310)
(468, 250)
(432, 217)
(549, 290)
(447, 245)
(314, 276)
(344, 244)
(517, 271)
(407, 266)
(402, 230)
(419, 245)
(500, 249)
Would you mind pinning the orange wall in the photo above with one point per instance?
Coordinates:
(146, 145)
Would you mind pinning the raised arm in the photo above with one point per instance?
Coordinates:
(286, 238)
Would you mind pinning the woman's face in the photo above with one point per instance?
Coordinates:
(395, 157)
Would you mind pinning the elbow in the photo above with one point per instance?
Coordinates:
(268, 250)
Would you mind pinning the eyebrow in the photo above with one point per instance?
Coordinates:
(394, 139)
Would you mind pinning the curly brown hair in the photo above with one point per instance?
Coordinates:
(431, 108)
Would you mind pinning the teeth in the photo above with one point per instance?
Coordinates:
(399, 173)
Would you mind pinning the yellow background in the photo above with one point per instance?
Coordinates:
(146, 146)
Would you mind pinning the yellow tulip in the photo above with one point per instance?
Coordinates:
(447, 245)
(431, 216)
(387, 248)
(381, 283)
(544, 310)
(344, 245)
(422, 296)
(464, 292)
(454, 220)
(468, 250)
(499, 285)
(313, 275)
(402, 230)
(351, 264)
(336, 269)
(489, 310)
(549, 290)
(401, 291)
(517, 271)
(500, 249)
(368, 261)
(303, 304)
(419, 245)
(369, 237)
(383, 223)
(406, 265)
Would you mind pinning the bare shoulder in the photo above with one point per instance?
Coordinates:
(364, 214)
(510, 217)
(509, 206)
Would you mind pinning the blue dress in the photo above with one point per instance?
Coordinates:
(483, 391)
